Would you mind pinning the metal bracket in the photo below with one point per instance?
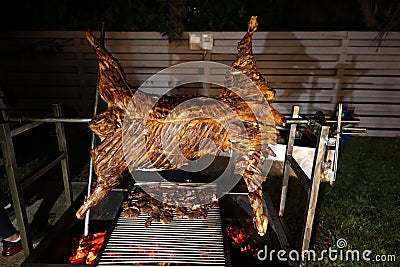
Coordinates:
(325, 161)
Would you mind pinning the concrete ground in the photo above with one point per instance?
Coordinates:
(57, 210)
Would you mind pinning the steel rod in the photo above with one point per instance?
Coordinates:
(136, 258)
(122, 235)
(47, 119)
(358, 134)
(144, 242)
(161, 252)
(147, 262)
(329, 121)
(140, 256)
(93, 141)
(354, 129)
(86, 120)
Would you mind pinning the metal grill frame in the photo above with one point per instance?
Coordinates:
(184, 242)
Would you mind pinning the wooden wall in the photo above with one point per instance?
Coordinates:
(313, 69)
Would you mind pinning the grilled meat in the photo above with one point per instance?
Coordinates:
(143, 147)
(139, 202)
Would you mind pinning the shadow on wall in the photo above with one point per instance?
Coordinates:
(294, 72)
(348, 80)
(316, 82)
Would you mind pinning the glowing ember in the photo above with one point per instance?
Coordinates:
(157, 264)
(87, 248)
(152, 254)
(241, 240)
(163, 264)
(144, 252)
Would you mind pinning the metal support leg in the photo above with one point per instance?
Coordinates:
(289, 152)
(313, 193)
(93, 141)
(16, 188)
(62, 146)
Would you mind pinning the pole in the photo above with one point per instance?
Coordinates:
(47, 119)
(93, 141)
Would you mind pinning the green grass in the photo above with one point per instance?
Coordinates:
(363, 207)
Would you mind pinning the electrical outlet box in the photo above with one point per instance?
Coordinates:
(199, 41)
(194, 41)
(207, 41)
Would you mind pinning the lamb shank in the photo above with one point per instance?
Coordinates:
(132, 129)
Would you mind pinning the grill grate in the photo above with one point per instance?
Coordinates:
(182, 242)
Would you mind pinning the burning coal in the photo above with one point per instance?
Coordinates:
(241, 240)
(86, 248)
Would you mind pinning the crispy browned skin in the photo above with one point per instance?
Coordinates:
(142, 142)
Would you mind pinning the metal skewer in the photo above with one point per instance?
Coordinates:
(93, 141)
(328, 121)
(47, 119)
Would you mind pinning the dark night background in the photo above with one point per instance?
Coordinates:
(171, 17)
(368, 211)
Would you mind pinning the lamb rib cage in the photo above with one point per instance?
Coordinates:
(110, 162)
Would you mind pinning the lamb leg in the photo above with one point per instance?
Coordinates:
(109, 165)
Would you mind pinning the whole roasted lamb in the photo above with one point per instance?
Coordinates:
(142, 146)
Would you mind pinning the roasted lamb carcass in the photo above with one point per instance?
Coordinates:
(142, 125)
